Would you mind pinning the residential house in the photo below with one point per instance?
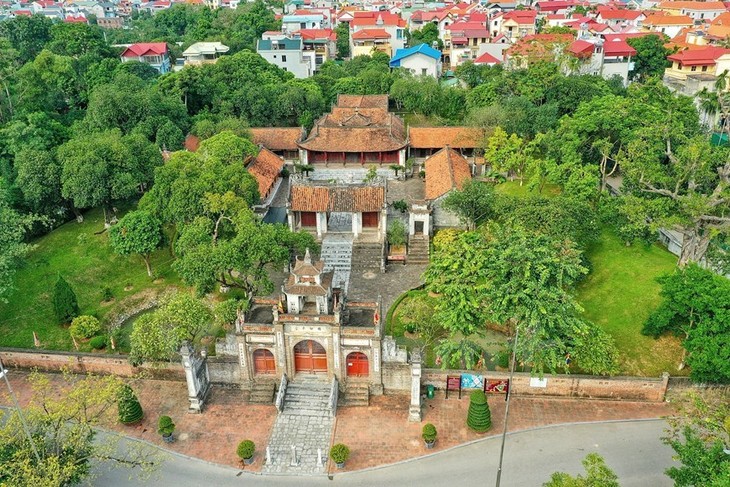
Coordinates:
(110, 22)
(670, 25)
(537, 48)
(320, 45)
(420, 60)
(603, 57)
(462, 41)
(697, 10)
(518, 24)
(287, 53)
(155, 54)
(556, 6)
(446, 171)
(204, 53)
(487, 59)
(619, 17)
(695, 69)
(302, 20)
(381, 22)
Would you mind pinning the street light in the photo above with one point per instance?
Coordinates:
(4, 374)
(506, 408)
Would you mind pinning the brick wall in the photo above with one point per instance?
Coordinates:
(87, 363)
(582, 386)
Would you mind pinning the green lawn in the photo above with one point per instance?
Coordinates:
(86, 261)
(513, 188)
(619, 294)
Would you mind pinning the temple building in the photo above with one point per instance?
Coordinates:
(359, 131)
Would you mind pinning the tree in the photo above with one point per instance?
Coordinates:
(157, 336)
(506, 153)
(227, 148)
(65, 305)
(63, 428)
(473, 204)
(39, 179)
(28, 35)
(138, 232)
(428, 34)
(77, 39)
(597, 475)
(84, 326)
(129, 409)
(102, 168)
(702, 464)
(478, 417)
(13, 248)
(651, 56)
(687, 189)
(169, 137)
(343, 40)
(696, 305)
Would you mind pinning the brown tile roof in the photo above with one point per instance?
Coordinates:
(439, 137)
(277, 138)
(308, 197)
(445, 170)
(305, 266)
(265, 168)
(290, 287)
(363, 101)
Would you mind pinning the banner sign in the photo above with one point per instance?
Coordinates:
(453, 383)
(496, 386)
(471, 381)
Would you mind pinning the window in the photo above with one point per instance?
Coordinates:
(694, 68)
(704, 68)
(283, 59)
(399, 34)
(424, 71)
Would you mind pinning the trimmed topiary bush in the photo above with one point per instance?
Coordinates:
(165, 426)
(478, 418)
(429, 433)
(128, 406)
(98, 342)
(246, 449)
(339, 453)
(65, 305)
(84, 326)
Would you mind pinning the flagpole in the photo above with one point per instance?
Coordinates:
(4, 374)
(506, 409)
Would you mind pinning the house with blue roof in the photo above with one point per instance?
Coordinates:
(421, 60)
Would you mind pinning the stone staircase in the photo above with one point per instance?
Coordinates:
(262, 392)
(367, 256)
(349, 175)
(304, 422)
(417, 250)
(337, 256)
(356, 394)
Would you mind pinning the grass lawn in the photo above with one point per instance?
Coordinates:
(513, 188)
(620, 293)
(87, 262)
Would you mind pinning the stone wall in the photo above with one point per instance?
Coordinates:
(396, 377)
(579, 386)
(224, 370)
(83, 363)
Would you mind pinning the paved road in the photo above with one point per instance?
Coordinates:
(632, 449)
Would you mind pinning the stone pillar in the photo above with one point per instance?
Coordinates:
(290, 220)
(196, 376)
(321, 224)
(376, 370)
(246, 372)
(281, 354)
(411, 224)
(356, 224)
(336, 352)
(414, 412)
(383, 226)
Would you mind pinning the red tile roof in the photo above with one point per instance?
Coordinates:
(311, 197)
(618, 48)
(699, 57)
(317, 34)
(521, 16)
(581, 49)
(266, 168)
(692, 5)
(145, 49)
(439, 137)
(619, 14)
(277, 138)
(376, 18)
(370, 34)
(487, 58)
(445, 170)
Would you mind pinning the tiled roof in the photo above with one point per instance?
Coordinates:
(438, 137)
(145, 49)
(277, 138)
(309, 289)
(317, 34)
(487, 58)
(371, 34)
(305, 267)
(698, 57)
(620, 14)
(445, 170)
(618, 47)
(307, 197)
(521, 16)
(424, 49)
(581, 48)
(376, 18)
(691, 5)
(192, 142)
(265, 168)
(668, 20)
(362, 101)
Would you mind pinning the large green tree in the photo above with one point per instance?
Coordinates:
(13, 247)
(473, 204)
(28, 35)
(651, 56)
(343, 40)
(138, 232)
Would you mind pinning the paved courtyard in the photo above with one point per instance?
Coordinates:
(395, 281)
(377, 435)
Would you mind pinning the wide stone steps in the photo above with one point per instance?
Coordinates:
(357, 395)
(336, 253)
(367, 256)
(262, 393)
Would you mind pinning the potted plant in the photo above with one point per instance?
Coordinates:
(429, 435)
(245, 451)
(339, 454)
(166, 427)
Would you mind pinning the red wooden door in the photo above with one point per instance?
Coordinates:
(263, 362)
(370, 219)
(357, 365)
(310, 357)
(309, 219)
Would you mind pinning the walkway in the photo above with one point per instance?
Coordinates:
(337, 255)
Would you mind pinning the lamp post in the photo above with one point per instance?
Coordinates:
(4, 374)
(506, 408)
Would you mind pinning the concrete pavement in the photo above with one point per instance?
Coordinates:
(633, 449)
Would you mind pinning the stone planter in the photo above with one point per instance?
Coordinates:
(429, 444)
(248, 461)
(340, 465)
(168, 439)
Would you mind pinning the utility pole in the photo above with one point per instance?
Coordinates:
(4, 374)
(506, 409)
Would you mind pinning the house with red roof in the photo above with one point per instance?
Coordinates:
(670, 25)
(619, 17)
(320, 45)
(518, 24)
(695, 69)
(696, 10)
(388, 33)
(462, 41)
(155, 54)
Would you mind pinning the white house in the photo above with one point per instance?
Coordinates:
(420, 60)
(286, 53)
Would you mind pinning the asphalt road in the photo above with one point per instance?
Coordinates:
(633, 449)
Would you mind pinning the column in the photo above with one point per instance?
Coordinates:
(356, 224)
(411, 224)
(290, 220)
(321, 224)
(414, 411)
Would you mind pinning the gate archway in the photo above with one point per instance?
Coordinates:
(357, 365)
(310, 357)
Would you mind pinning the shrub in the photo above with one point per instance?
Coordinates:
(502, 358)
(84, 327)
(98, 342)
(245, 449)
(478, 418)
(165, 426)
(400, 205)
(339, 453)
(107, 294)
(65, 305)
(410, 327)
(429, 433)
(128, 406)
(397, 234)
